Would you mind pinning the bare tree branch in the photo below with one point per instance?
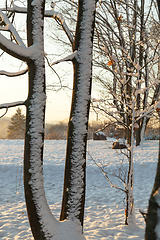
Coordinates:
(22, 53)
(4, 113)
(13, 104)
(9, 27)
(102, 167)
(14, 74)
(68, 58)
(48, 13)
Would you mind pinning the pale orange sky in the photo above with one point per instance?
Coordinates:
(16, 89)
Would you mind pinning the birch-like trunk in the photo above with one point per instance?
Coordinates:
(144, 119)
(141, 58)
(75, 168)
(130, 209)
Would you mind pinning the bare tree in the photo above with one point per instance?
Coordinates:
(128, 61)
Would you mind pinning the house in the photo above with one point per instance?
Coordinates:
(99, 136)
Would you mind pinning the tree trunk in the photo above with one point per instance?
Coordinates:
(158, 4)
(153, 218)
(30, 144)
(34, 138)
(130, 211)
(75, 167)
(152, 231)
(141, 58)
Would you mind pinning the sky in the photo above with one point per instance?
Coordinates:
(16, 89)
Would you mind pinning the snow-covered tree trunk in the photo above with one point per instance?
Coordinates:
(34, 139)
(130, 210)
(152, 231)
(75, 169)
(153, 215)
(141, 58)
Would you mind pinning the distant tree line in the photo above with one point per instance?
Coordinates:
(58, 131)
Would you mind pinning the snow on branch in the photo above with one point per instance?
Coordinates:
(18, 50)
(16, 9)
(146, 113)
(15, 50)
(68, 58)
(48, 13)
(13, 74)
(13, 104)
(57, 16)
(9, 27)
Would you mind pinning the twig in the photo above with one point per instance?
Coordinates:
(4, 113)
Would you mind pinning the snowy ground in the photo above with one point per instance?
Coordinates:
(104, 212)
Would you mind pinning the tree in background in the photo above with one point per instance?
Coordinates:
(56, 131)
(125, 52)
(127, 58)
(16, 129)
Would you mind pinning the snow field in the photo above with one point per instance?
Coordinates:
(104, 212)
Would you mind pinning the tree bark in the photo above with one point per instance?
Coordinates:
(141, 58)
(158, 4)
(75, 169)
(152, 219)
(34, 137)
(130, 209)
